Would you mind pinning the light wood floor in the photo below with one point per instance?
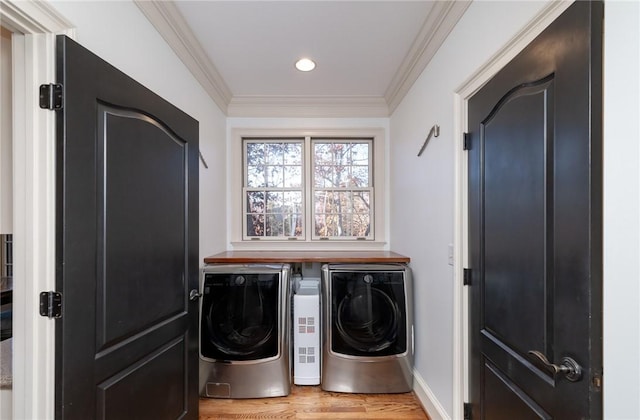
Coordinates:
(310, 402)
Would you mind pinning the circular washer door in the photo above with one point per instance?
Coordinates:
(368, 319)
(240, 321)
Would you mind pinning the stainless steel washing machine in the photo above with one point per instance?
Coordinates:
(244, 331)
(367, 315)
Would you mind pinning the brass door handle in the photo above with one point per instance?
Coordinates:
(567, 367)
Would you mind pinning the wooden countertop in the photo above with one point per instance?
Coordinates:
(246, 257)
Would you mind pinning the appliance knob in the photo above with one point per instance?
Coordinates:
(368, 278)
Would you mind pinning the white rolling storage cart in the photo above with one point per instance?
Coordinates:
(306, 332)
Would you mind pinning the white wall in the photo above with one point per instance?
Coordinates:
(119, 33)
(6, 177)
(6, 165)
(422, 201)
(622, 210)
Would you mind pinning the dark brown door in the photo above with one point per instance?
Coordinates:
(535, 210)
(127, 247)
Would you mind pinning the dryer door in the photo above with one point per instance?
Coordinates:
(368, 313)
(239, 316)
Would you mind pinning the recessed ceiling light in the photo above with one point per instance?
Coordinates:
(305, 64)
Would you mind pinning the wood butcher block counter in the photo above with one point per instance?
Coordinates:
(251, 257)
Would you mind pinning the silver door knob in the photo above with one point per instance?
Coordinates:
(194, 295)
(567, 367)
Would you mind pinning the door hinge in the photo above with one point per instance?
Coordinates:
(51, 96)
(51, 304)
(466, 277)
(466, 141)
(467, 409)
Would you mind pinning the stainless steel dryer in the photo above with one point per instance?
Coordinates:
(244, 331)
(367, 316)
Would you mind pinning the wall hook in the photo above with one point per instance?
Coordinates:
(204, 162)
(435, 132)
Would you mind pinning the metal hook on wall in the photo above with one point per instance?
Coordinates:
(435, 132)
(204, 162)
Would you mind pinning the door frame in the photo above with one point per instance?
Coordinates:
(34, 25)
(462, 95)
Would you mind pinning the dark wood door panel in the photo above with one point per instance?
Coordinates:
(127, 246)
(142, 235)
(518, 247)
(129, 351)
(505, 400)
(535, 210)
(157, 381)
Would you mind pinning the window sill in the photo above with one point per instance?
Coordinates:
(279, 257)
(336, 245)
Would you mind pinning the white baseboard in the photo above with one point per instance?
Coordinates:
(429, 402)
(6, 404)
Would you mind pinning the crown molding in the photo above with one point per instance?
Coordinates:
(441, 20)
(168, 21)
(33, 17)
(308, 106)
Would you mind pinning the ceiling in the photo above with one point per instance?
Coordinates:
(368, 53)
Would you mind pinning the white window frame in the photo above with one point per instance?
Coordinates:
(245, 188)
(235, 194)
(370, 188)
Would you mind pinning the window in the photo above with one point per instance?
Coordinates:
(342, 188)
(273, 188)
(318, 188)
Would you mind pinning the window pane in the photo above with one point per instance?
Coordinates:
(361, 202)
(341, 202)
(274, 213)
(293, 201)
(275, 176)
(274, 225)
(341, 164)
(274, 202)
(326, 225)
(293, 154)
(255, 176)
(342, 213)
(322, 201)
(323, 176)
(275, 153)
(292, 176)
(255, 154)
(255, 225)
(360, 154)
(359, 176)
(322, 153)
(361, 225)
(349, 224)
(255, 202)
(293, 224)
(331, 202)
